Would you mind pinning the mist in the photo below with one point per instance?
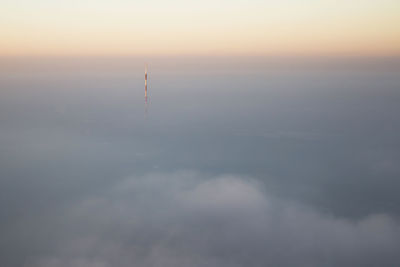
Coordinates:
(237, 162)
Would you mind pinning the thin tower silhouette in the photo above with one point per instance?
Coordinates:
(145, 91)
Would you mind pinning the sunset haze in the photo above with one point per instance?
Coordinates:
(289, 27)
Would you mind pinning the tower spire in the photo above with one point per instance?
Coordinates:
(145, 90)
(145, 81)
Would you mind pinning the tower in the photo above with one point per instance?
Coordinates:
(145, 91)
(145, 81)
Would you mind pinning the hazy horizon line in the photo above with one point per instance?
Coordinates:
(209, 55)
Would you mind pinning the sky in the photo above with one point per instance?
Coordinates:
(221, 27)
(233, 160)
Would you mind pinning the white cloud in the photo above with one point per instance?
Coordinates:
(187, 219)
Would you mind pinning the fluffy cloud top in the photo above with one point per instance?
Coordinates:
(186, 219)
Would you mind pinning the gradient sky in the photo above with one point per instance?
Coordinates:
(287, 27)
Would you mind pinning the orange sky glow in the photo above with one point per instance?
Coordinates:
(255, 27)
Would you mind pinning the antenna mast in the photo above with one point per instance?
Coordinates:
(145, 81)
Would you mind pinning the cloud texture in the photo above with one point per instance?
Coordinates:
(189, 219)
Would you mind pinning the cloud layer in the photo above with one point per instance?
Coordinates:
(189, 219)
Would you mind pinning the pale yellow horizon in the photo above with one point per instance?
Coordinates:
(120, 27)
